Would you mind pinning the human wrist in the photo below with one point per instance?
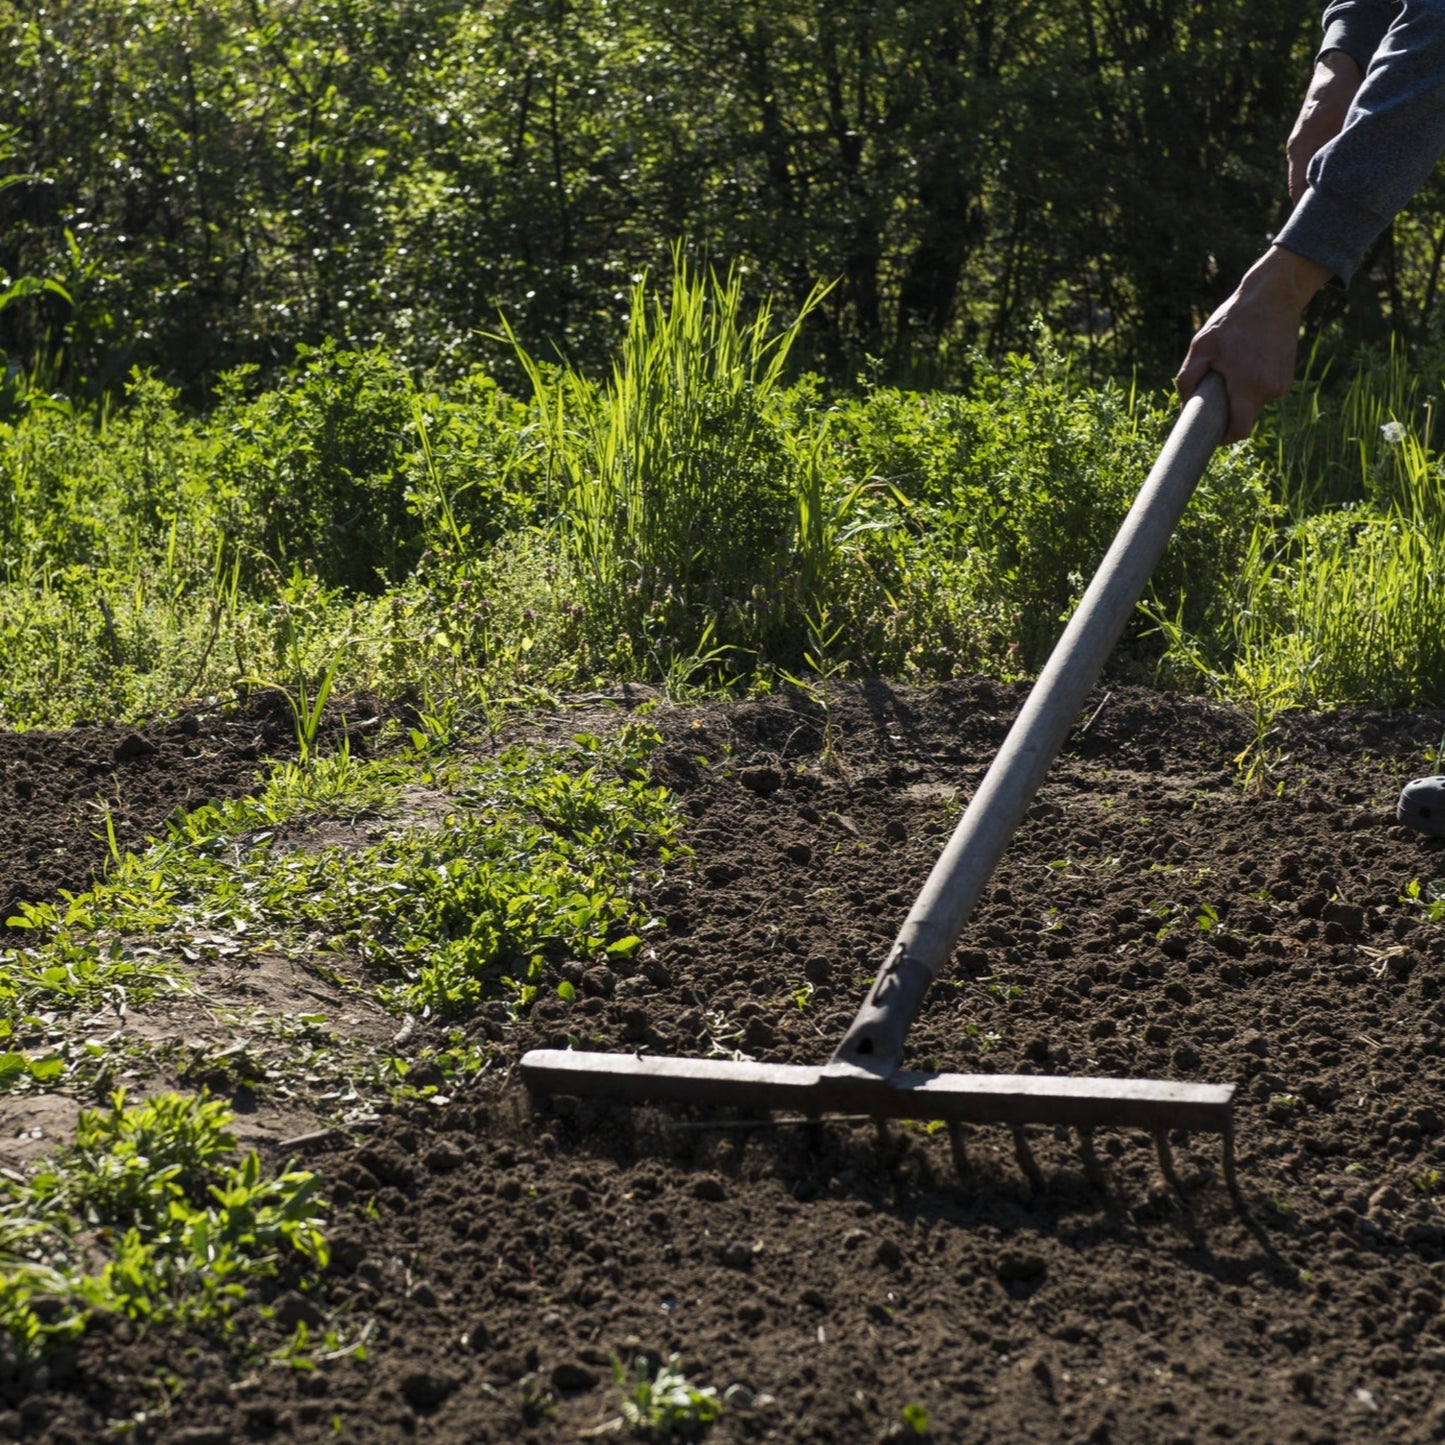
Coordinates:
(1285, 278)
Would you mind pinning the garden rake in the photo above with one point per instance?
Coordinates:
(863, 1077)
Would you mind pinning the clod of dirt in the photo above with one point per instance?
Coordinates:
(709, 1188)
(888, 1254)
(570, 1376)
(293, 1309)
(133, 746)
(444, 1158)
(425, 1389)
(1019, 1266)
(1386, 1200)
(818, 969)
(599, 982)
(762, 781)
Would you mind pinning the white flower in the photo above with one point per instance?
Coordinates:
(1393, 433)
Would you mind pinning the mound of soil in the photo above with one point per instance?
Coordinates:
(1151, 918)
(57, 788)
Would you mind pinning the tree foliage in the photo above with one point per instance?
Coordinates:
(212, 182)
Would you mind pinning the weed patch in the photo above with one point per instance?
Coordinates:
(180, 1225)
(535, 856)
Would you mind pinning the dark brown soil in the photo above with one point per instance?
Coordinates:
(56, 788)
(504, 1255)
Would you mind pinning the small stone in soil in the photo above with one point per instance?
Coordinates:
(736, 1256)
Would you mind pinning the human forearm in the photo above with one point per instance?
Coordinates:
(1356, 27)
(1333, 87)
(1391, 139)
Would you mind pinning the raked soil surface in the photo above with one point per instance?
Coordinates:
(1151, 918)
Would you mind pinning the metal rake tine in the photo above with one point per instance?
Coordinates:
(1166, 1164)
(813, 1128)
(1093, 1167)
(1026, 1159)
(958, 1145)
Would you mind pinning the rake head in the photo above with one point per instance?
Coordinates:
(1012, 1100)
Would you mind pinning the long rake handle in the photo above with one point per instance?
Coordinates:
(875, 1038)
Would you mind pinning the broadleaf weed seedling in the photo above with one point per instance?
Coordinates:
(1429, 898)
(666, 1403)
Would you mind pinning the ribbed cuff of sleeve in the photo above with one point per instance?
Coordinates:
(1332, 230)
(1358, 38)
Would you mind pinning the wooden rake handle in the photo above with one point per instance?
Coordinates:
(875, 1038)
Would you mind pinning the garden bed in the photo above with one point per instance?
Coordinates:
(1153, 917)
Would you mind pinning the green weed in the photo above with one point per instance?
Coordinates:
(915, 1419)
(538, 858)
(147, 1215)
(664, 1403)
(1429, 898)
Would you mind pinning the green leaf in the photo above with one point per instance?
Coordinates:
(44, 1070)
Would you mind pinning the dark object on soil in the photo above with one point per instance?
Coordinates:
(1422, 806)
(863, 1076)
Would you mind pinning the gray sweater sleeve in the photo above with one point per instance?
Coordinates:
(1357, 27)
(1392, 137)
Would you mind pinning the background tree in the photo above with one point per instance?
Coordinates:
(221, 181)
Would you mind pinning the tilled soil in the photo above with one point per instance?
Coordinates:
(1152, 918)
(58, 788)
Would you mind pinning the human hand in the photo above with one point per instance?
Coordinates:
(1251, 340)
(1322, 116)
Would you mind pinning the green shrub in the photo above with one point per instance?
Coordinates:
(675, 489)
(1014, 492)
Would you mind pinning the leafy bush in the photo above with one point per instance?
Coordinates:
(319, 464)
(1013, 494)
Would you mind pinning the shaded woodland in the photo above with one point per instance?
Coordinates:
(209, 183)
